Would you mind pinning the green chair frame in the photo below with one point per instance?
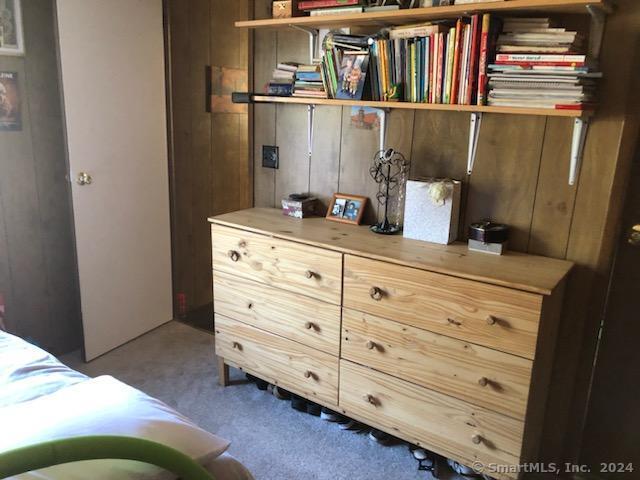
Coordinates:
(99, 447)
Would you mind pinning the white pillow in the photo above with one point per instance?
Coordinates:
(104, 406)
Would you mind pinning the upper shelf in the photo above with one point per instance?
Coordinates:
(401, 17)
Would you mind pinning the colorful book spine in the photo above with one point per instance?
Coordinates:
(455, 72)
(483, 62)
(451, 43)
(311, 4)
(473, 64)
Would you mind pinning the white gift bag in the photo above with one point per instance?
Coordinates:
(432, 210)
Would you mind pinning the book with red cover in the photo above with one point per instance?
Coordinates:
(473, 66)
(312, 4)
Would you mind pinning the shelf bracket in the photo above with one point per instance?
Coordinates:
(314, 35)
(580, 127)
(596, 33)
(474, 134)
(311, 110)
(383, 128)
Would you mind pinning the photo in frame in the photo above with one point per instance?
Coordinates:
(347, 208)
(11, 36)
(10, 114)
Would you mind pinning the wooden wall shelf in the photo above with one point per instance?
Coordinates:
(400, 17)
(423, 106)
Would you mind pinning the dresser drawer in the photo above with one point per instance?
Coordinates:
(443, 424)
(293, 366)
(296, 317)
(292, 266)
(479, 375)
(496, 317)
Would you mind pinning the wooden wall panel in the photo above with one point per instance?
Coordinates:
(555, 198)
(264, 119)
(324, 170)
(211, 161)
(506, 167)
(38, 276)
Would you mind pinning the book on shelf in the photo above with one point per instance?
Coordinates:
(335, 11)
(541, 65)
(463, 61)
(307, 5)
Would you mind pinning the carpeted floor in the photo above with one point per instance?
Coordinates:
(176, 364)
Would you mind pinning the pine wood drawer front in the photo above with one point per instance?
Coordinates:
(479, 375)
(277, 360)
(296, 317)
(292, 266)
(496, 317)
(441, 423)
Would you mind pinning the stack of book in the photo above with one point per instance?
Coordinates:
(540, 66)
(309, 82)
(443, 62)
(330, 7)
(282, 80)
(345, 65)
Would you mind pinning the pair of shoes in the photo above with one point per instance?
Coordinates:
(382, 438)
(462, 469)
(331, 416)
(280, 393)
(353, 426)
(302, 405)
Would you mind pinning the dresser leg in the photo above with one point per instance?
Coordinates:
(223, 372)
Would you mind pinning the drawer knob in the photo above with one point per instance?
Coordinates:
(236, 346)
(371, 345)
(308, 374)
(309, 326)
(375, 293)
(233, 255)
(491, 320)
(371, 399)
(483, 382)
(310, 274)
(476, 439)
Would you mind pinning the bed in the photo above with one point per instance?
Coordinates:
(43, 402)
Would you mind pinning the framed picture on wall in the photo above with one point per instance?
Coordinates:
(11, 38)
(347, 208)
(10, 115)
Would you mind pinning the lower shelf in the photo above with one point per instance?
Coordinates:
(424, 106)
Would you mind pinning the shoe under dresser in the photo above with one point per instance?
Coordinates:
(442, 347)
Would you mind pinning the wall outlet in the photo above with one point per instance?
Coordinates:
(270, 156)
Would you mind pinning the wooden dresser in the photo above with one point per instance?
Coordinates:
(439, 346)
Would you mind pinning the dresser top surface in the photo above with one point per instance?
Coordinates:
(514, 270)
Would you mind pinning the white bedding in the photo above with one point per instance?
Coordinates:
(41, 399)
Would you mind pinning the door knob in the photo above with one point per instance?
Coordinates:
(634, 236)
(84, 178)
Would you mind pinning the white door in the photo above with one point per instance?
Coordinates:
(112, 68)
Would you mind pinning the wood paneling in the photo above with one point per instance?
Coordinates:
(38, 276)
(211, 157)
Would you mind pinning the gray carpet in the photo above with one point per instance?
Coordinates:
(176, 364)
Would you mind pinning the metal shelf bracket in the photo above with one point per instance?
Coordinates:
(383, 128)
(311, 110)
(474, 133)
(314, 35)
(580, 127)
(596, 33)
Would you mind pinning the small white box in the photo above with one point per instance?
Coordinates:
(432, 210)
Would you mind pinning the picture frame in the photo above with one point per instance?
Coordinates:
(346, 208)
(11, 32)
